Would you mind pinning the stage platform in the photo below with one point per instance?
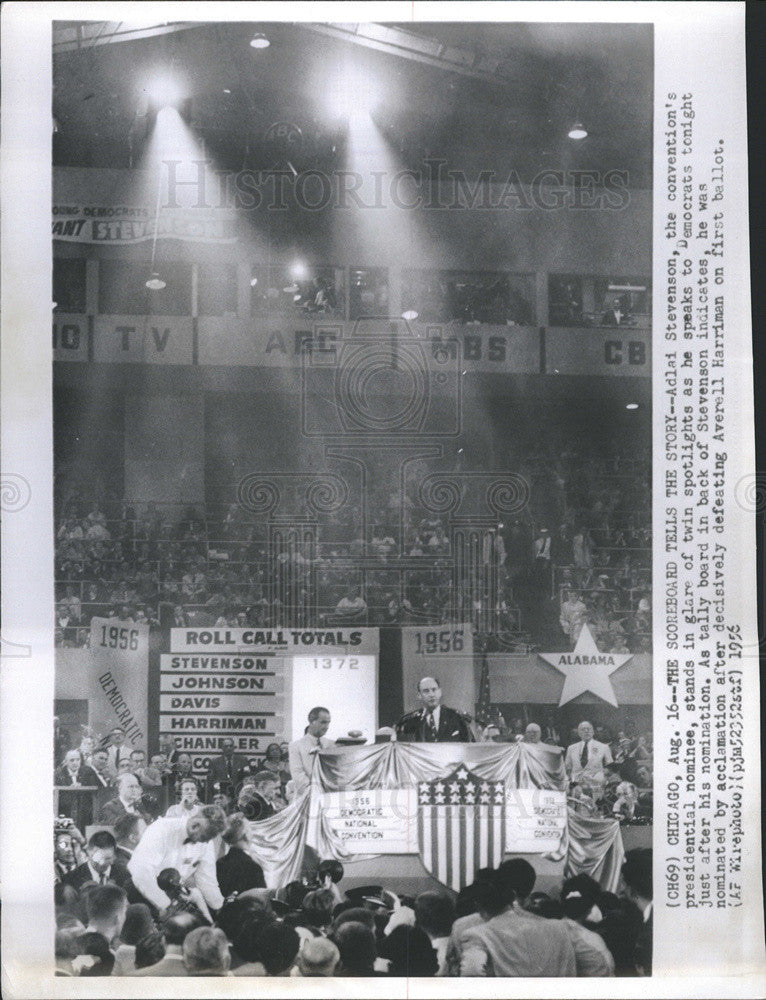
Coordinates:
(405, 874)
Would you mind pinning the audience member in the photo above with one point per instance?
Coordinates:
(189, 803)
(206, 952)
(512, 941)
(279, 948)
(128, 800)
(174, 931)
(318, 957)
(435, 914)
(150, 950)
(138, 923)
(236, 870)
(101, 866)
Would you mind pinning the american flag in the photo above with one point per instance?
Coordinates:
(461, 826)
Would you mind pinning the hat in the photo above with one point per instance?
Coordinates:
(352, 740)
(362, 895)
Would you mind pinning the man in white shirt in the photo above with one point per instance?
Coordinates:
(118, 750)
(585, 761)
(302, 751)
(183, 844)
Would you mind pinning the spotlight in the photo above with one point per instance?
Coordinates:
(298, 270)
(227, 90)
(164, 91)
(259, 41)
(155, 282)
(631, 406)
(410, 314)
(578, 131)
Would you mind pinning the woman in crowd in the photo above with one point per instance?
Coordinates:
(189, 803)
(236, 870)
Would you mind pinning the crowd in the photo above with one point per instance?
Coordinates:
(530, 583)
(617, 783)
(130, 905)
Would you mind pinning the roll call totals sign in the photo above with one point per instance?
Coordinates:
(236, 683)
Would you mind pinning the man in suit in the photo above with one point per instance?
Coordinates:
(129, 794)
(74, 773)
(227, 767)
(301, 752)
(585, 761)
(99, 761)
(117, 750)
(434, 722)
(128, 831)
(102, 865)
(510, 941)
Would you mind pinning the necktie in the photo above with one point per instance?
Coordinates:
(431, 726)
(103, 878)
(584, 754)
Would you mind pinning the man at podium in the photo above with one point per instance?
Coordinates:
(433, 722)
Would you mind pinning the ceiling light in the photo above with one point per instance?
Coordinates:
(298, 271)
(410, 314)
(577, 131)
(164, 91)
(631, 406)
(227, 90)
(155, 282)
(259, 41)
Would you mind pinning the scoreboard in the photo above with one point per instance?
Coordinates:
(256, 686)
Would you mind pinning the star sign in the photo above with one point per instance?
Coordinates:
(454, 788)
(586, 669)
(439, 786)
(470, 795)
(462, 774)
(439, 797)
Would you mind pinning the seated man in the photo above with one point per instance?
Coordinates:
(128, 801)
(75, 773)
(183, 844)
(261, 799)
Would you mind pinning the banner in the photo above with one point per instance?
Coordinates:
(119, 655)
(122, 225)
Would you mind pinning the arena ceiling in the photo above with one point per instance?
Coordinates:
(481, 96)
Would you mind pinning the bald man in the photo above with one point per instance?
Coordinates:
(533, 733)
(433, 722)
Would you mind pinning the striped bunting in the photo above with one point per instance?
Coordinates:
(461, 826)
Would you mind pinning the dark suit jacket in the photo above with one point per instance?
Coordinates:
(237, 872)
(86, 777)
(219, 771)
(118, 874)
(453, 728)
(113, 810)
